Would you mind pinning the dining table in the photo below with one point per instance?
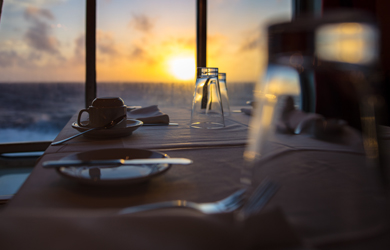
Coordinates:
(327, 197)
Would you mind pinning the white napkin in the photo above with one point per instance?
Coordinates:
(149, 115)
(247, 111)
(293, 121)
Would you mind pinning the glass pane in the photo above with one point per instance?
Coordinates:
(146, 51)
(42, 67)
(237, 41)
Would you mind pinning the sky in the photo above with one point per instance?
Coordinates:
(137, 40)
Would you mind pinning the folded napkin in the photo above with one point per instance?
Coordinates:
(296, 121)
(149, 115)
(293, 121)
(247, 111)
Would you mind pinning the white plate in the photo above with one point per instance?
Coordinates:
(114, 175)
(131, 125)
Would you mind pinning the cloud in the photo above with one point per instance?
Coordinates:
(106, 43)
(253, 40)
(141, 23)
(183, 42)
(250, 44)
(8, 58)
(218, 44)
(37, 35)
(33, 14)
(138, 53)
(79, 45)
(79, 49)
(26, 3)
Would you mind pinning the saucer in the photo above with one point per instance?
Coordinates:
(113, 175)
(131, 125)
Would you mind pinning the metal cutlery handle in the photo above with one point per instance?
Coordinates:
(74, 163)
(109, 125)
(158, 205)
(70, 138)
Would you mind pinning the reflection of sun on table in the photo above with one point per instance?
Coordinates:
(183, 68)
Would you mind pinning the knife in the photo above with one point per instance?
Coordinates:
(73, 163)
(161, 124)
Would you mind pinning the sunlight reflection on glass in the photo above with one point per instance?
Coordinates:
(279, 82)
(347, 42)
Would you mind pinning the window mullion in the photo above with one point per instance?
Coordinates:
(201, 32)
(90, 52)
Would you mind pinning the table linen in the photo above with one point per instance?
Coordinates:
(329, 204)
(161, 137)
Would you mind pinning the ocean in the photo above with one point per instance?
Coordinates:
(38, 111)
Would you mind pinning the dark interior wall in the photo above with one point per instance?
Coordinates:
(379, 9)
(383, 18)
(355, 4)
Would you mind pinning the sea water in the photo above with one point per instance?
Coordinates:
(38, 111)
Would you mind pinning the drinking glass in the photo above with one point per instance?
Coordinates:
(327, 66)
(224, 94)
(207, 110)
(314, 127)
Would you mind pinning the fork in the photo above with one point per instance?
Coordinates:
(259, 198)
(226, 205)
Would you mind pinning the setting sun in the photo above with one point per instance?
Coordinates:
(183, 68)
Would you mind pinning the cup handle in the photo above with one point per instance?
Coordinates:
(78, 119)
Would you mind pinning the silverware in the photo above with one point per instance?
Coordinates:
(259, 198)
(161, 124)
(130, 108)
(119, 162)
(228, 204)
(107, 126)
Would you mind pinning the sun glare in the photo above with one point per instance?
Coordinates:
(183, 68)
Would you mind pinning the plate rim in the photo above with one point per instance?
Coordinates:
(116, 132)
(138, 123)
(118, 182)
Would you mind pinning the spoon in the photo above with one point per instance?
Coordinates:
(107, 126)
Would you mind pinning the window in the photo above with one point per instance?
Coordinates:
(237, 41)
(145, 53)
(42, 67)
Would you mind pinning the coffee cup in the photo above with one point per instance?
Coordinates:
(102, 111)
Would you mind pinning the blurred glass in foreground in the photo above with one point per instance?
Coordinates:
(327, 66)
(314, 127)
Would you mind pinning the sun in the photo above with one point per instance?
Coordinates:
(183, 68)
